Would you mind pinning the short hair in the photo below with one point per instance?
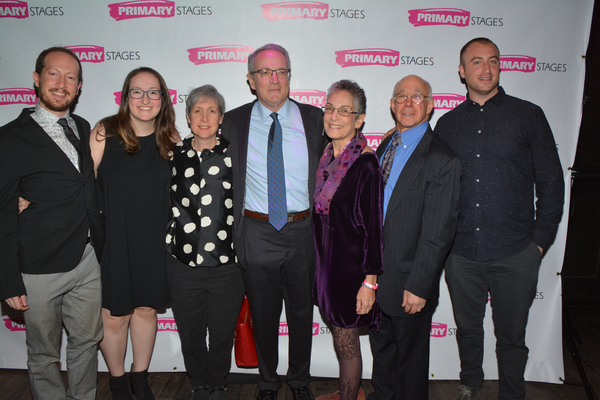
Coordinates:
(268, 46)
(427, 85)
(40, 63)
(206, 91)
(357, 93)
(481, 40)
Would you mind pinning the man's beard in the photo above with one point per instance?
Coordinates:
(51, 103)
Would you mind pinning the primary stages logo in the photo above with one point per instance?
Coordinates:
(449, 16)
(194, 10)
(307, 9)
(220, 53)
(88, 53)
(17, 96)
(447, 101)
(359, 57)
(439, 16)
(172, 95)
(517, 63)
(438, 330)
(97, 54)
(295, 9)
(13, 9)
(142, 9)
(14, 324)
(166, 324)
(284, 331)
(20, 9)
(373, 139)
(309, 96)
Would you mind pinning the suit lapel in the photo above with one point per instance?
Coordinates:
(409, 173)
(36, 131)
(242, 142)
(313, 141)
(87, 162)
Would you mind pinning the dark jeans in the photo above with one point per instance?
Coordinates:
(205, 298)
(512, 283)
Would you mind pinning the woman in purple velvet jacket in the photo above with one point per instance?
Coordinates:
(348, 231)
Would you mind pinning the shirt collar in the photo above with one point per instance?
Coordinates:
(284, 112)
(219, 148)
(413, 134)
(497, 99)
(46, 116)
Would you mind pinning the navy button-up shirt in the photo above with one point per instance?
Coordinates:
(509, 158)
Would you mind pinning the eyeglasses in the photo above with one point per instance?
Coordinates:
(267, 73)
(139, 93)
(417, 98)
(342, 112)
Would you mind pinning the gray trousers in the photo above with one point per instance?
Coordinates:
(74, 299)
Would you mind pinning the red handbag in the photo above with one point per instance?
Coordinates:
(245, 349)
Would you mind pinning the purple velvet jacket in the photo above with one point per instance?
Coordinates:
(349, 243)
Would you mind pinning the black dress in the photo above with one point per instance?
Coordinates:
(133, 192)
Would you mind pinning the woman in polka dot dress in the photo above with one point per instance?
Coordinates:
(204, 276)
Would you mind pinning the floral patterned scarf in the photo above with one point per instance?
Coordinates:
(331, 173)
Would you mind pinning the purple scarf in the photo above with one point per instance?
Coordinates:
(331, 174)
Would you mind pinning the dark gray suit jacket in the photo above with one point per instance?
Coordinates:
(51, 234)
(235, 128)
(420, 224)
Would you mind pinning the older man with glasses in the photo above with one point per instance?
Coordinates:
(420, 212)
(275, 148)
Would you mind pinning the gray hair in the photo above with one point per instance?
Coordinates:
(357, 93)
(268, 46)
(427, 85)
(208, 92)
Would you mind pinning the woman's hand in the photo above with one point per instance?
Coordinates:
(364, 300)
(388, 133)
(23, 204)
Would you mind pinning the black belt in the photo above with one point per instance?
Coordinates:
(292, 217)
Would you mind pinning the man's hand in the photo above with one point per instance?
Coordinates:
(412, 304)
(541, 250)
(23, 204)
(18, 303)
(388, 133)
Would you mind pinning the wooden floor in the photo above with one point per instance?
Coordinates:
(175, 385)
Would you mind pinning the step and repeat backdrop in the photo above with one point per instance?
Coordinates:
(375, 43)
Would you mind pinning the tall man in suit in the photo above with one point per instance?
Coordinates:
(422, 183)
(48, 268)
(509, 160)
(275, 146)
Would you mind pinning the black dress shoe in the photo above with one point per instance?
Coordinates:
(267, 395)
(303, 393)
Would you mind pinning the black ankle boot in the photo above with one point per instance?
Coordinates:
(139, 385)
(119, 388)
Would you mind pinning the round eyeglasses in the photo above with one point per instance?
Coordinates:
(417, 98)
(139, 93)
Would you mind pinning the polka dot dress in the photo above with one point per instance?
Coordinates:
(201, 234)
